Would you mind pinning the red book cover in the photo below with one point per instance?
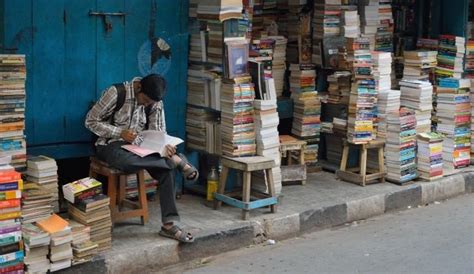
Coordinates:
(9, 176)
(10, 203)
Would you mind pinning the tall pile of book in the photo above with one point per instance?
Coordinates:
(131, 189)
(219, 9)
(382, 69)
(388, 101)
(370, 20)
(454, 120)
(11, 243)
(36, 248)
(88, 206)
(35, 203)
(451, 52)
(279, 63)
(43, 171)
(430, 155)
(268, 141)
(339, 87)
(363, 97)
(12, 103)
(299, 32)
(384, 36)
(350, 23)
(237, 122)
(400, 146)
(419, 65)
(418, 95)
(469, 62)
(326, 18)
(82, 247)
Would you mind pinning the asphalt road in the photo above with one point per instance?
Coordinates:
(438, 238)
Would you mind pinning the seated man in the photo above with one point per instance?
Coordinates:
(118, 117)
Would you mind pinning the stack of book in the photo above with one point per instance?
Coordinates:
(82, 247)
(400, 146)
(131, 190)
(202, 130)
(35, 203)
(219, 9)
(350, 23)
(302, 78)
(60, 250)
(384, 36)
(237, 122)
(326, 18)
(197, 46)
(388, 101)
(370, 20)
(469, 62)
(339, 87)
(268, 141)
(36, 248)
(417, 95)
(43, 171)
(419, 65)
(363, 97)
(430, 155)
(427, 44)
(451, 52)
(299, 32)
(382, 69)
(215, 44)
(10, 223)
(307, 122)
(454, 120)
(12, 103)
(90, 207)
(279, 63)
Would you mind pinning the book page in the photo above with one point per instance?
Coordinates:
(157, 140)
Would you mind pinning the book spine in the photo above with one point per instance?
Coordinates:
(12, 267)
(10, 215)
(9, 186)
(10, 229)
(11, 256)
(87, 194)
(9, 203)
(7, 195)
(9, 177)
(10, 248)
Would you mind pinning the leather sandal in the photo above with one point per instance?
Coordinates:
(189, 172)
(177, 233)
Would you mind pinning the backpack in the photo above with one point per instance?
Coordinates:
(121, 93)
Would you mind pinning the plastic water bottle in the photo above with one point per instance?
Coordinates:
(212, 183)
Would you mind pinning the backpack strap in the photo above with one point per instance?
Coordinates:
(121, 92)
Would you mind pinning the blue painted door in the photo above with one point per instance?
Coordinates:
(72, 57)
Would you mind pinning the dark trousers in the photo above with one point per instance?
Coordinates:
(161, 169)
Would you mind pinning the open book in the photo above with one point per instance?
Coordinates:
(153, 142)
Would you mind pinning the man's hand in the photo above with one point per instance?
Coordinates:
(128, 135)
(170, 150)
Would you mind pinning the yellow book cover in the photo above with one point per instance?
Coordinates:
(10, 215)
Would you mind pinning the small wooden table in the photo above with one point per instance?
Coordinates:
(292, 172)
(359, 174)
(246, 165)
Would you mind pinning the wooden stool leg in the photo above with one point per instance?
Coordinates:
(302, 162)
(142, 196)
(290, 159)
(381, 164)
(221, 188)
(246, 193)
(345, 156)
(122, 185)
(271, 188)
(363, 163)
(112, 193)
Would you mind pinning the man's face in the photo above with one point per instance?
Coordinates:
(143, 99)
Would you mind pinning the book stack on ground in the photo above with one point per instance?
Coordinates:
(418, 95)
(203, 130)
(469, 62)
(307, 122)
(11, 245)
(339, 87)
(82, 247)
(60, 250)
(382, 69)
(131, 190)
(430, 155)
(12, 104)
(88, 206)
(454, 120)
(237, 122)
(388, 101)
(350, 22)
(219, 9)
(36, 248)
(326, 18)
(43, 171)
(400, 146)
(363, 97)
(384, 36)
(419, 65)
(35, 203)
(268, 141)
(451, 52)
(299, 32)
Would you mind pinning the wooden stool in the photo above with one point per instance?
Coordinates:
(292, 172)
(362, 178)
(117, 196)
(246, 165)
